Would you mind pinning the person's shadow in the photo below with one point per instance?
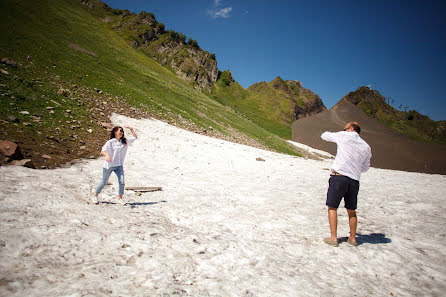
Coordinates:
(134, 204)
(373, 238)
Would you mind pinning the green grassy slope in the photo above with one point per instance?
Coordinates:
(60, 44)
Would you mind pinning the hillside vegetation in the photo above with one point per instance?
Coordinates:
(64, 71)
(273, 105)
(411, 123)
(172, 49)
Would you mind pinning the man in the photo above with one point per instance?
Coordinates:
(352, 158)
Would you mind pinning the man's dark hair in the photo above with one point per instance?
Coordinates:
(356, 127)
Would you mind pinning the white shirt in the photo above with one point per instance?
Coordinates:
(353, 154)
(117, 151)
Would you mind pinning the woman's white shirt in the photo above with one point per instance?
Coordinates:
(117, 151)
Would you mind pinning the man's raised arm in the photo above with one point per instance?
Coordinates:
(329, 136)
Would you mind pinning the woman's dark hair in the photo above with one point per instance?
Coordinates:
(112, 134)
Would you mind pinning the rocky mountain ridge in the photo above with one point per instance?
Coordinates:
(280, 101)
(185, 58)
(172, 49)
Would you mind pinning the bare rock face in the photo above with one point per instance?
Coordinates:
(195, 66)
(204, 60)
(148, 19)
(10, 150)
(310, 103)
(311, 107)
(167, 49)
(152, 32)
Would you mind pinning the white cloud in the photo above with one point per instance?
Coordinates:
(224, 12)
(220, 13)
(217, 12)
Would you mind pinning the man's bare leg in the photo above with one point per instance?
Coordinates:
(333, 220)
(353, 222)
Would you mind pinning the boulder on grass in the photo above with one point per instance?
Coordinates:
(11, 150)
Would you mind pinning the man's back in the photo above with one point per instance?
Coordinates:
(353, 153)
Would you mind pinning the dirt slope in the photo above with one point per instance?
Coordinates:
(390, 149)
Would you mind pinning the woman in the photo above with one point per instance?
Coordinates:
(114, 151)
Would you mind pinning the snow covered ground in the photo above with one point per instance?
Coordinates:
(224, 225)
(311, 150)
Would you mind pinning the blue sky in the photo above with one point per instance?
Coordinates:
(332, 47)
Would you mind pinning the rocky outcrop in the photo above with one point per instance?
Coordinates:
(171, 49)
(310, 103)
(301, 101)
(309, 109)
(189, 62)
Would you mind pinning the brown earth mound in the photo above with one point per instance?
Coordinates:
(390, 149)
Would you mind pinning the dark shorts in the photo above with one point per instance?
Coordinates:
(342, 186)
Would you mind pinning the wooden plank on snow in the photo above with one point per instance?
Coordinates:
(144, 189)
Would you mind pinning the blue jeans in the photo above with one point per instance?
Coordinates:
(119, 170)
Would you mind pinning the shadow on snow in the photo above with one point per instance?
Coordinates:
(372, 238)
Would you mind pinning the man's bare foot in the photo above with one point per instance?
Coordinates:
(331, 242)
(352, 242)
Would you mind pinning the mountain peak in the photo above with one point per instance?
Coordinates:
(364, 94)
(279, 84)
(408, 122)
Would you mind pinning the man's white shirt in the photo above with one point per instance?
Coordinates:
(353, 153)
